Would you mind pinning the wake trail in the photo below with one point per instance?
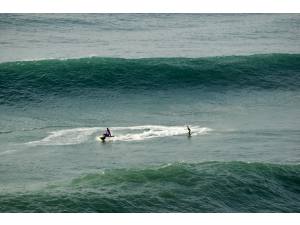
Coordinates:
(127, 134)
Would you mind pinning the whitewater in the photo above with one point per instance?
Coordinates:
(136, 133)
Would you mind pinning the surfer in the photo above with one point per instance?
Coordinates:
(189, 131)
(107, 133)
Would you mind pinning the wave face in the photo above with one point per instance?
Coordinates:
(178, 187)
(31, 80)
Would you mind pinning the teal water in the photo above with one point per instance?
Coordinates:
(241, 99)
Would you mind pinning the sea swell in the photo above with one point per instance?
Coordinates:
(177, 187)
(35, 80)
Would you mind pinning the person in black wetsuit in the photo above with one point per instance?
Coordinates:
(189, 130)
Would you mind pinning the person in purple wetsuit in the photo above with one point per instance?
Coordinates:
(107, 133)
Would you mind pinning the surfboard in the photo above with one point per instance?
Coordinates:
(102, 138)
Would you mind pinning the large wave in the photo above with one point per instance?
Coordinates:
(31, 80)
(176, 187)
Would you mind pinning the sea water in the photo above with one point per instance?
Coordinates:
(234, 79)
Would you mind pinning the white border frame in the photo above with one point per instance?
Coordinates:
(150, 218)
(150, 6)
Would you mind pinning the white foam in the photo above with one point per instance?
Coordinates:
(134, 133)
(7, 152)
(150, 131)
(66, 137)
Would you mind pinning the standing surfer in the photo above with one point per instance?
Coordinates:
(189, 131)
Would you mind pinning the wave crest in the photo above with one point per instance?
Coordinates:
(29, 80)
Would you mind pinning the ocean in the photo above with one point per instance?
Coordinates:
(234, 79)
